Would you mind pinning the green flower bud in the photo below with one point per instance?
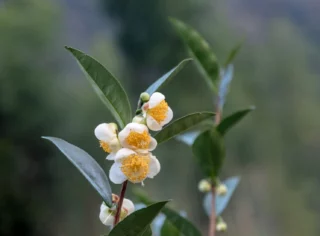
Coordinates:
(221, 225)
(222, 189)
(204, 186)
(144, 97)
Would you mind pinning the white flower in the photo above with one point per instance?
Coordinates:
(136, 137)
(107, 215)
(157, 112)
(133, 166)
(107, 134)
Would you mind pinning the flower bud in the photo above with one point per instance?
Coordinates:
(221, 226)
(144, 97)
(204, 186)
(139, 120)
(222, 189)
(115, 144)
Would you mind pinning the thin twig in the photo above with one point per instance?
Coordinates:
(212, 227)
(119, 205)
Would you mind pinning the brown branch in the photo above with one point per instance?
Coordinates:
(212, 227)
(119, 205)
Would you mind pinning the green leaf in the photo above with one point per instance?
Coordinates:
(200, 50)
(182, 224)
(169, 229)
(233, 119)
(182, 124)
(221, 200)
(138, 222)
(157, 85)
(209, 150)
(233, 53)
(226, 78)
(106, 86)
(87, 166)
(147, 232)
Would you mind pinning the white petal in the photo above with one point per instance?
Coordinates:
(168, 117)
(155, 99)
(105, 132)
(105, 216)
(123, 153)
(128, 205)
(123, 134)
(111, 156)
(116, 175)
(153, 124)
(154, 166)
(153, 144)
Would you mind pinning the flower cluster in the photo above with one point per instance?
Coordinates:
(130, 149)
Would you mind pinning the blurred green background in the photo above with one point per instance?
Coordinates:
(43, 92)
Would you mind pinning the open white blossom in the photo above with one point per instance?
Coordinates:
(137, 137)
(133, 166)
(157, 112)
(107, 215)
(107, 135)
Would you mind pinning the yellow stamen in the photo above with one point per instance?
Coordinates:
(105, 146)
(159, 112)
(139, 140)
(135, 167)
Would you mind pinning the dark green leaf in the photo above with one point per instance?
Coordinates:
(233, 53)
(200, 50)
(221, 200)
(209, 151)
(169, 230)
(147, 232)
(137, 223)
(231, 120)
(106, 86)
(87, 166)
(167, 77)
(182, 224)
(181, 125)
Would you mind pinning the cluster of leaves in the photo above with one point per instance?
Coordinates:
(207, 146)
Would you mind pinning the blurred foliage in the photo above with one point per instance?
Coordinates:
(43, 93)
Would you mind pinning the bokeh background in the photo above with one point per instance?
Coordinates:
(43, 92)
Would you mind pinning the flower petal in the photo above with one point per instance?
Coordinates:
(168, 117)
(116, 175)
(105, 132)
(123, 153)
(153, 124)
(153, 144)
(155, 99)
(128, 205)
(154, 166)
(105, 216)
(111, 156)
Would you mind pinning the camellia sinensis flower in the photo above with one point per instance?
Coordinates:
(137, 137)
(222, 189)
(157, 112)
(204, 186)
(107, 135)
(133, 166)
(107, 214)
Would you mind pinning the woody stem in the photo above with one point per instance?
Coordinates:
(119, 205)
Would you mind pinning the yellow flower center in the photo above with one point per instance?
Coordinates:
(105, 146)
(159, 112)
(139, 140)
(135, 167)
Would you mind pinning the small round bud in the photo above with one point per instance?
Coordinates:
(144, 97)
(221, 226)
(139, 120)
(204, 186)
(222, 189)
